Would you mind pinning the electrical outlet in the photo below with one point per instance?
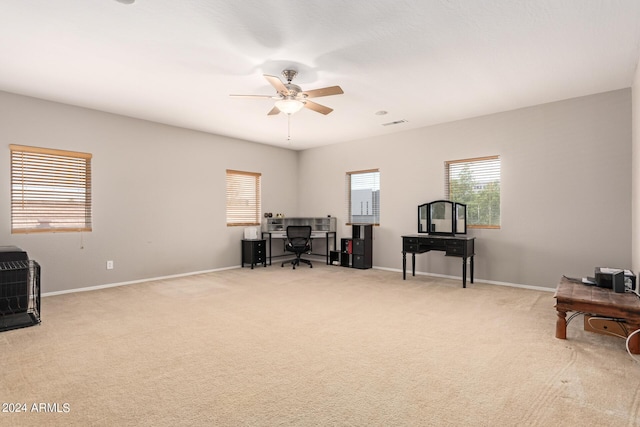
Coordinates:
(109, 265)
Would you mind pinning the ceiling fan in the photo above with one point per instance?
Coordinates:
(291, 98)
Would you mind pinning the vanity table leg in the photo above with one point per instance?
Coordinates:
(413, 263)
(404, 265)
(464, 272)
(471, 266)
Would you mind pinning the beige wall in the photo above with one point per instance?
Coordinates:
(159, 194)
(159, 190)
(566, 187)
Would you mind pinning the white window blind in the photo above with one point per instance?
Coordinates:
(476, 183)
(243, 198)
(362, 197)
(50, 190)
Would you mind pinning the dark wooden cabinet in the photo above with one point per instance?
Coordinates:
(254, 251)
(362, 245)
(357, 251)
(457, 246)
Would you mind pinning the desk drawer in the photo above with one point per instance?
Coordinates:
(455, 251)
(410, 247)
(410, 244)
(429, 243)
(455, 247)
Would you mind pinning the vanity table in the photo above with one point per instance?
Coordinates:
(442, 226)
(458, 246)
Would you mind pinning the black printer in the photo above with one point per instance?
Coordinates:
(615, 278)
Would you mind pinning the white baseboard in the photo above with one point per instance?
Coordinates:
(489, 282)
(193, 273)
(133, 282)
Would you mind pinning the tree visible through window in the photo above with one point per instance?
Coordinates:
(476, 183)
(50, 190)
(243, 198)
(363, 197)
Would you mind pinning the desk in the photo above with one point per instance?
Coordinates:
(458, 246)
(572, 295)
(282, 235)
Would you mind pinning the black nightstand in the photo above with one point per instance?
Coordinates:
(254, 252)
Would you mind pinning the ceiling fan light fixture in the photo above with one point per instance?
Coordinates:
(289, 106)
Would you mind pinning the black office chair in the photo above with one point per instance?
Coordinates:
(299, 242)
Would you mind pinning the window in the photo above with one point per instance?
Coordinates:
(50, 190)
(476, 183)
(243, 198)
(363, 197)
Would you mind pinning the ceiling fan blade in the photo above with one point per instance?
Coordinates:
(325, 91)
(273, 111)
(277, 84)
(317, 107)
(254, 96)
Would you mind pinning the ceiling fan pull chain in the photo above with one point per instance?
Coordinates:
(288, 127)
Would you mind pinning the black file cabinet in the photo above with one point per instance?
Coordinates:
(254, 252)
(362, 246)
(357, 251)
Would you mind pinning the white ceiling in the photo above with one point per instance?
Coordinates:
(424, 61)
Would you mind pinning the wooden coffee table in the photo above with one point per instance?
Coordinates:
(579, 298)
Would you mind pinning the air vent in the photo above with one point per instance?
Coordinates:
(397, 122)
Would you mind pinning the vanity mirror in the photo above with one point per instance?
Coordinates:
(423, 218)
(442, 217)
(461, 218)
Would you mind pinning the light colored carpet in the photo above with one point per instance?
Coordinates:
(313, 347)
